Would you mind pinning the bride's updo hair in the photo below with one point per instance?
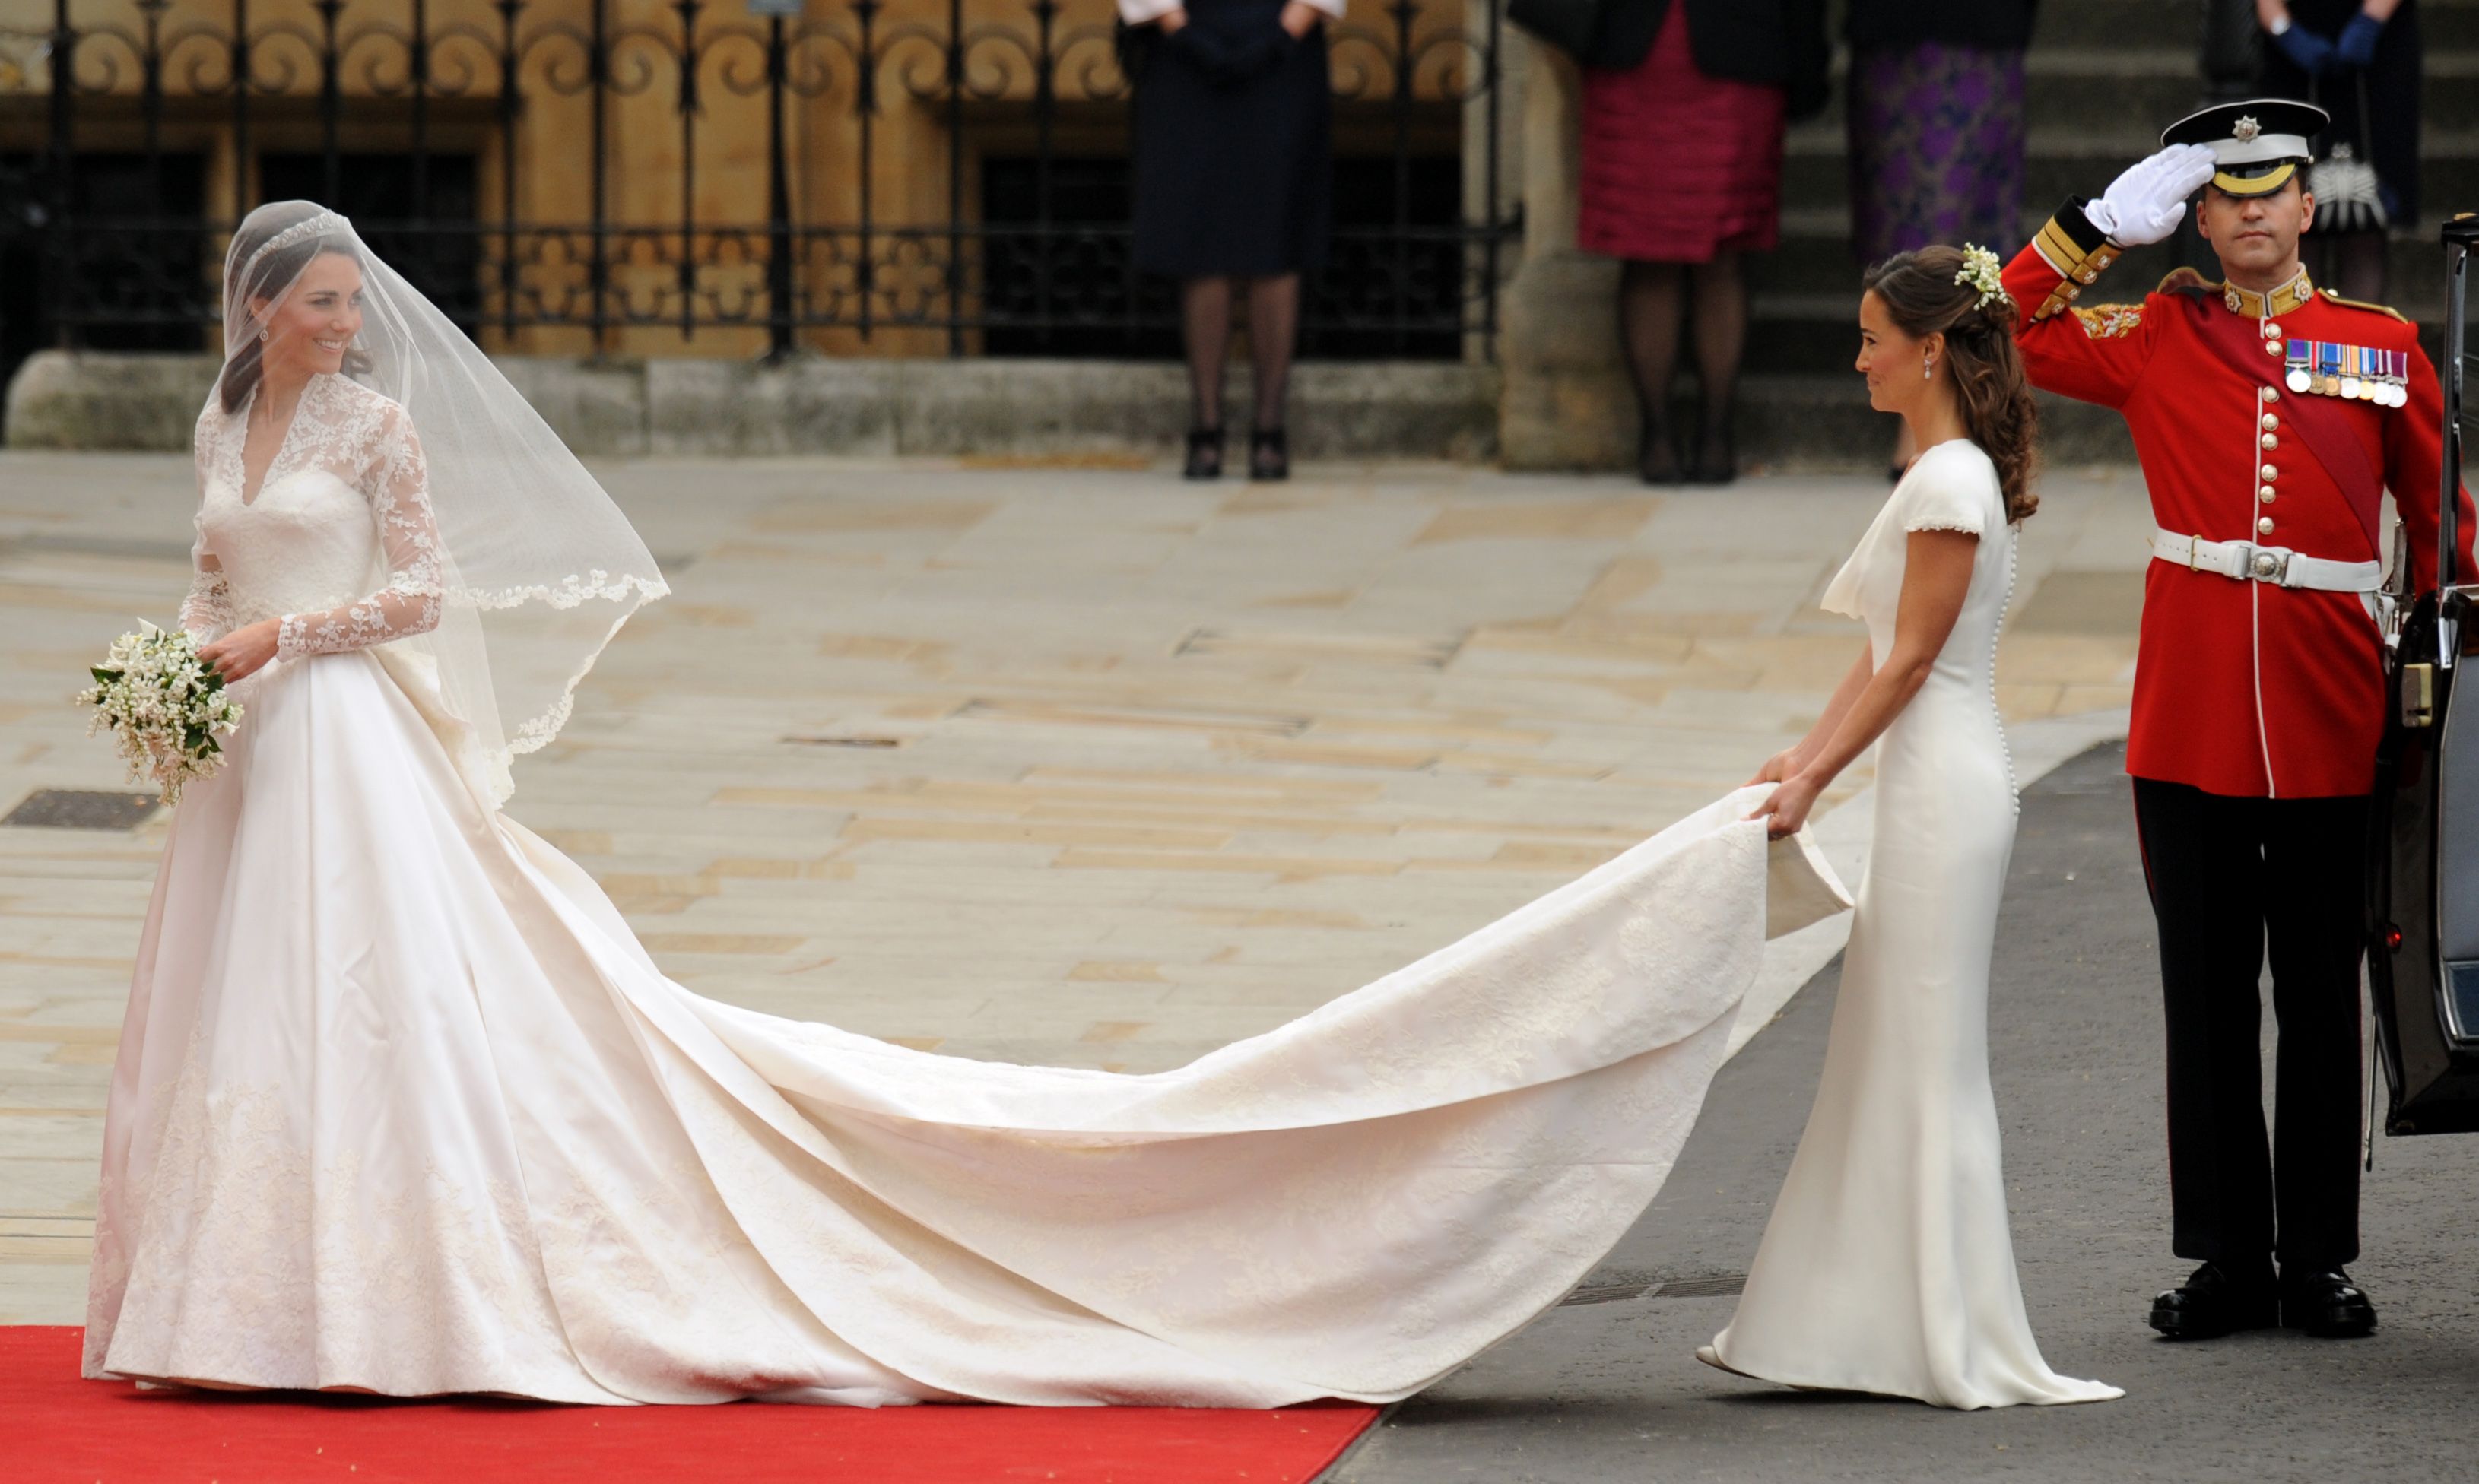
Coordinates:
(250, 274)
(1923, 292)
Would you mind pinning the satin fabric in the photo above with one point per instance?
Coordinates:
(401, 1105)
(1887, 1264)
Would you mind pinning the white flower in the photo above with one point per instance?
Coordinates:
(165, 707)
(1982, 271)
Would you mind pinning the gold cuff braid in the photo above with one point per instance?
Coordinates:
(2075, 267)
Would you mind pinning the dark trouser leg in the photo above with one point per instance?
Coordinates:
(2358, 266)
(2314, 885)
(2203, 861)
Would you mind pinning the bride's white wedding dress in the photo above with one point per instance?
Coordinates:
(1887, 1266)
(402, 1105)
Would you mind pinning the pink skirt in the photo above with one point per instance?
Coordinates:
(1678, 165)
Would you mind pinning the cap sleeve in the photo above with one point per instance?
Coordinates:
(1952, 491)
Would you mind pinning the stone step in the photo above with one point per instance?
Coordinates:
(1815, 257)
(1816, 334)
(2062, 87)
(2178, 25)
(2059, 162)
(2163, 25)
(1820, 424)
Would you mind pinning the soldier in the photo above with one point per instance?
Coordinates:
(2270, 418)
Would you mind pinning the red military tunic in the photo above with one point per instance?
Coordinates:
(2241, 687)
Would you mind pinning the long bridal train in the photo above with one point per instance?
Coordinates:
(404, 1106)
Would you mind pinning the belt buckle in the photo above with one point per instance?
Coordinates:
(2270, 564)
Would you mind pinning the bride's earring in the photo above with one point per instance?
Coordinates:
(262, 337)
(1927, 366)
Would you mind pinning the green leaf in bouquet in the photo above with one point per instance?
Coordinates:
(103, 677)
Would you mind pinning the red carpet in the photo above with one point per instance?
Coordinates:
(56, 1427)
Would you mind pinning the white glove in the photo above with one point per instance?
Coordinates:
(2146, 203)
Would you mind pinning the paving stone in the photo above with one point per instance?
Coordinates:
(1060, 765)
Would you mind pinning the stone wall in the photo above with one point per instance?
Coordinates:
(1011, 408)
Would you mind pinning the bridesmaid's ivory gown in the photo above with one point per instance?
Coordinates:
(1887, 1266)
(402, 1105)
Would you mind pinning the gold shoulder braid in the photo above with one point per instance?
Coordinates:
(2381, 309)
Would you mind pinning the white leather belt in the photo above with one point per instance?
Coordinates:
(2247, 562)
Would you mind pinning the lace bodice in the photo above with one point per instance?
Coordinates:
(338, 542)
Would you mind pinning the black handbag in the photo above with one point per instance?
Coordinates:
(2349, 195)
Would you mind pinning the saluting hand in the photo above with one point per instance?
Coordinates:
(2146, 203)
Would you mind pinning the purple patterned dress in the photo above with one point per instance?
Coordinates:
(1936, 147)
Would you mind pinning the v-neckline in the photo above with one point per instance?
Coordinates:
(283, 445)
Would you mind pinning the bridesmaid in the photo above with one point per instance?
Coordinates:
(1234, 125)
(1887, 1266)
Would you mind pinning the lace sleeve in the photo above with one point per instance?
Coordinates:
(397, 484)
(207, 613)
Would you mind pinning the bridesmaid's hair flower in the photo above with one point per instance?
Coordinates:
(1982, 271)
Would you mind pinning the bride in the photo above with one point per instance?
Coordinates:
(401, 1105)
(1887, 1266)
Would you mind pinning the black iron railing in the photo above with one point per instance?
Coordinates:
(574, 174)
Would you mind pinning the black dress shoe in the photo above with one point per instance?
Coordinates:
(2213, 1302)
(2327, 1305)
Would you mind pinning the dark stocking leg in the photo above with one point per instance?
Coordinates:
(1721, 335)
(1650, 297)
(1273, 333)
(1205, 325)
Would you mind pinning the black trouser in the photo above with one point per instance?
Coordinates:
(2230, 877)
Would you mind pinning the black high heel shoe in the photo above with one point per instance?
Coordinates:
(1717, 459)
(1269, 454)
(1657, 455)
(1204, 453)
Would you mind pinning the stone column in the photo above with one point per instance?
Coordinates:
(1564, 401)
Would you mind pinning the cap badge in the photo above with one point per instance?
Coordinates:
(2245, 129)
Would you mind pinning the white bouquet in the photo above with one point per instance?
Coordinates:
(165, 706)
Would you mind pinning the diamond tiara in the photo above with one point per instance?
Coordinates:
(322, 223)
